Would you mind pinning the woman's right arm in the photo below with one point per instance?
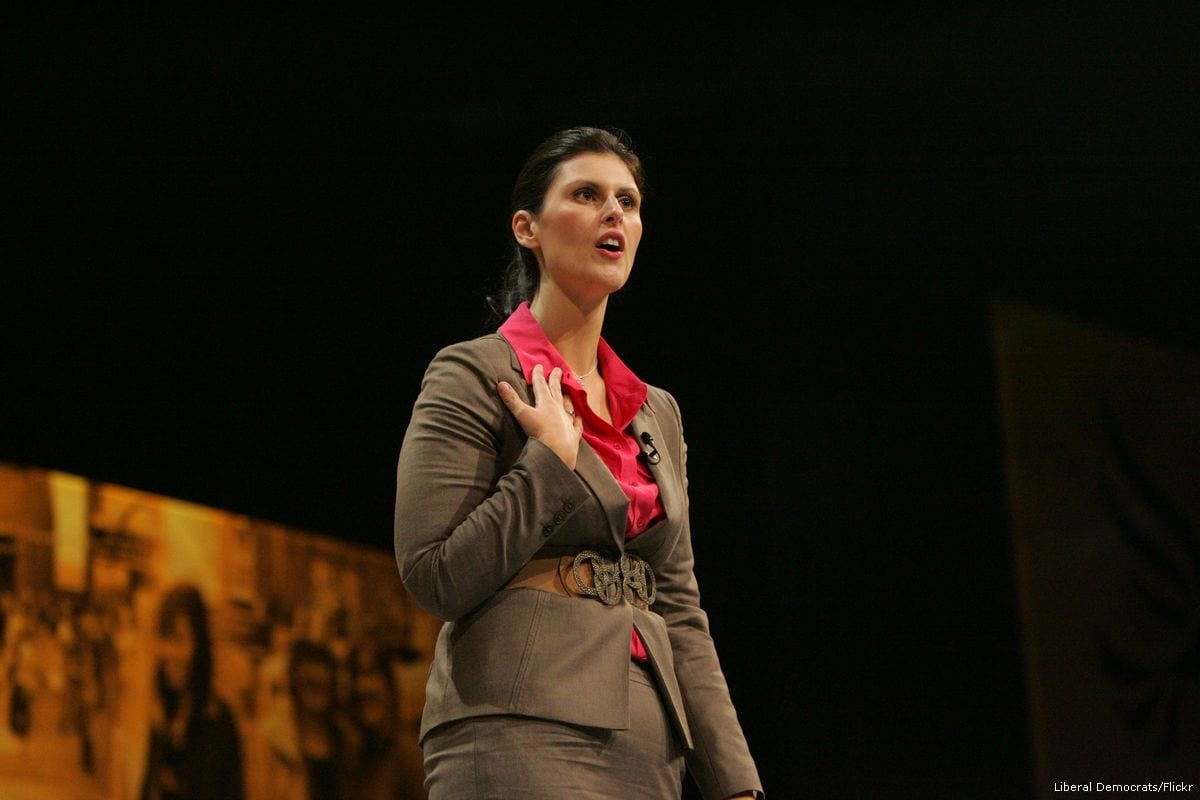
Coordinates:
(463, 528)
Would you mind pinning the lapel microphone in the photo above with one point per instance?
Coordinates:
(652, 455)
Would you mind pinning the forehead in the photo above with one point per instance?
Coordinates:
(178, 624)
(313, 668)
(369, 679)
(601, 168)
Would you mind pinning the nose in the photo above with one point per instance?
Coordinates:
(613, 210)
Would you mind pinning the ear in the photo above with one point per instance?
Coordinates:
(524, 229)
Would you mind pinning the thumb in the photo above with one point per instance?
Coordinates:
(510, 397)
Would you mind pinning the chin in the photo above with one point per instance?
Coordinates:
(599, 284)
(615, 275)
(610, 287)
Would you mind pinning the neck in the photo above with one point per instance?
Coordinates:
(573, 328)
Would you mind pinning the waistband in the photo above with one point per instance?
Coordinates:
(589, 574)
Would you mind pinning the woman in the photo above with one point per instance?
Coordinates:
(541, 510)
(375, 709)
(195, 751)
(328, 745)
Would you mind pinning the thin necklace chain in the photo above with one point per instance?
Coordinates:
(590, 371)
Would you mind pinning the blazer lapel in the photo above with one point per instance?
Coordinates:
(665, 474)
(596, 474)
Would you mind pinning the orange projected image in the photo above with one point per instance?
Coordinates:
(152, 648)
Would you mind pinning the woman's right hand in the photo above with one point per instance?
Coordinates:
(551, 419)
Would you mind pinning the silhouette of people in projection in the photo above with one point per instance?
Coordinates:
(195, 751)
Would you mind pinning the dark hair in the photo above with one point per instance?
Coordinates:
(185, 601)
(529, 193)
(309, 651)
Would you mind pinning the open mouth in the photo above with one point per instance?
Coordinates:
(611, 244)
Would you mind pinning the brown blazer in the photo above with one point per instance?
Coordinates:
(476, 499)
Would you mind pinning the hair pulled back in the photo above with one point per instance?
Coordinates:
(529, 193)
(184, 601)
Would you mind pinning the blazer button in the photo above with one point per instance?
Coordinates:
(547, 529)
(568, 505)
(558, 518)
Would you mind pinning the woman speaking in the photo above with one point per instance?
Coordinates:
(542, 512)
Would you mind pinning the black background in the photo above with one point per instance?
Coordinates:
(233, 243)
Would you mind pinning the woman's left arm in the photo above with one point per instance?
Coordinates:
(720, 761)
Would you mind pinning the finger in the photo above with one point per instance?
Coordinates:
(568, 406)
(556, 384)
(541, 392)
(511, 399)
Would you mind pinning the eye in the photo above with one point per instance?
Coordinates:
(628, 201)
(586, 193)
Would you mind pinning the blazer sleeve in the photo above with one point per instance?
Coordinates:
(720, 761)
(466, 521)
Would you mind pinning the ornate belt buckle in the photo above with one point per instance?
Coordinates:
(629, 578)
(606, 574)
(637, 581)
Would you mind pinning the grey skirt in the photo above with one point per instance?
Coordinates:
(501, 757)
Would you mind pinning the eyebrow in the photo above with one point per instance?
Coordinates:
(581, 182)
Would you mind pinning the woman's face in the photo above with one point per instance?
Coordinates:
(587, 233)
(176, 650)
(315, 687)
(374, 702)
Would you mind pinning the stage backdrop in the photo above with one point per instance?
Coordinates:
(318, 657)
(1103, 463)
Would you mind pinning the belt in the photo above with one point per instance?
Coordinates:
(589, 574)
